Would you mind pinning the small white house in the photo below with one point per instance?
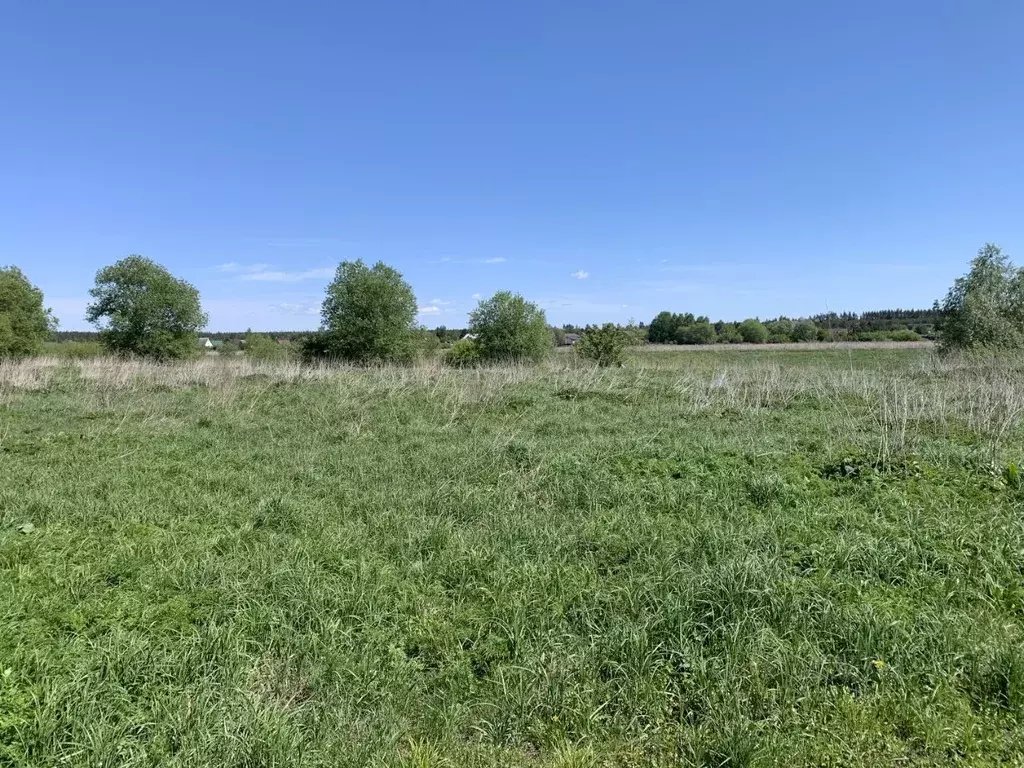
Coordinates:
(205, 343)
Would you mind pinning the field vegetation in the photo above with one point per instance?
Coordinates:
(765, 557)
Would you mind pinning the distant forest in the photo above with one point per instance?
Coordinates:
(900, 324)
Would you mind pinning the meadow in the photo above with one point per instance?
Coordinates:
(773, 557)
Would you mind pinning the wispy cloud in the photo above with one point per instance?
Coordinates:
(429, 309)
(476, 297)
(495, 260)
(440, 302)
(580, 274)
(304, 308)
(233, 267)
(277, 276)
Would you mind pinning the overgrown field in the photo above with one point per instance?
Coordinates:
(724, 558)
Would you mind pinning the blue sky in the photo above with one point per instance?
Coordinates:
(607, 159)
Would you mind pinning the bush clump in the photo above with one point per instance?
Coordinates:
(464, 353)
(605, 345)
(510, 329)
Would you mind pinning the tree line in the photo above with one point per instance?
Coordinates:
(677, 328)
(369, 315)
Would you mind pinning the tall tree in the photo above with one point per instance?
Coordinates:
(985, 308)
(509, 328)
(663, 328)
(24, 322)
(368, 315)
(142, 309)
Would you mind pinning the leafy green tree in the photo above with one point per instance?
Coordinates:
(262, 348)
(142, 309)
(605, 345)
(729, 334)
(24, 322)
(701, 332)
(559, 336)
(781, 328)
(753, 331)
(985, 308)
(509, 328)
(368, 315)
(662, 329)
(804, 330)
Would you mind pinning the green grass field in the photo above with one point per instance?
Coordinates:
(801, 558)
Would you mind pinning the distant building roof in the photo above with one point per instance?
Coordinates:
(205, 342)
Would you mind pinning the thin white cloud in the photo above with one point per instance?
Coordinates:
(495, 260)
(580, 274)
(429, 309)
(440, 302)
(233, 267)
(476, 297)
(286, 308)
(275, 276)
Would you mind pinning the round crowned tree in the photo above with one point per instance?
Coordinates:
(368, 316)
(508, 328)
(24, 322)
(142, 309)
(984, 310)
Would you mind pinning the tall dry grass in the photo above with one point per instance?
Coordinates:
(984, 395)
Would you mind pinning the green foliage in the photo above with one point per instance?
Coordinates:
(804, 330)
(752, 331)
(662, 329)
(985, 308)
(24, 322)
(143, 310)
(605, 345)
(559, 336)
(464, 353)
(368, 316)
(701, 332)
(508, 328)
(729, 333)
(264, 349)
(781, 329)
(426, 343)
(73, 350)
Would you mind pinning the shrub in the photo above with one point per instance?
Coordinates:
(729, 334)
(753, 331)
(904, 334)
(368, 315)
(509, 328)
(464, 353)
(804, 330)
(696, 333)
(426, 342)
(73, 350)
(142, 309)
(24, 323)
(263, 349)
(606, 345)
